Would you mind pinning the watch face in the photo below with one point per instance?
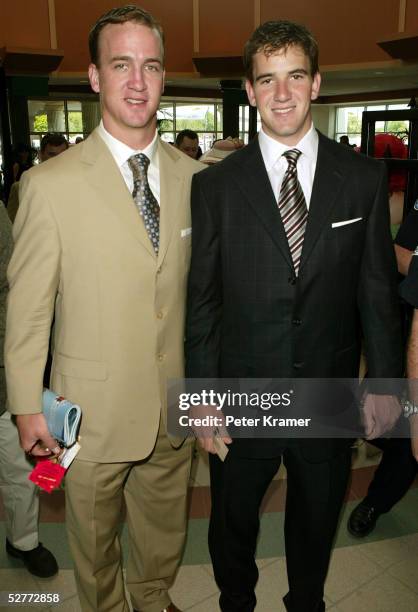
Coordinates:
(409, 409)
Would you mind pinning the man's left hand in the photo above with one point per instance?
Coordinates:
(380, 413)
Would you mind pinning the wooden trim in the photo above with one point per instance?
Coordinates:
(52, 24)
(367, 96)
(257, 13)
(402, 16)
(196, 30)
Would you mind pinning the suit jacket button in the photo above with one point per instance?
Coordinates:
(160, 357)
(292, 280)
(298, 365)
(160, 314)
(296, 321)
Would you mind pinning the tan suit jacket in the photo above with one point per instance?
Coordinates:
(6, 247)
(82, 252)
(13, 201)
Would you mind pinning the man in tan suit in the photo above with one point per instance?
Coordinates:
(117, 289)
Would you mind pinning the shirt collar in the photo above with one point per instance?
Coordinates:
(121, 152)
(272, 149)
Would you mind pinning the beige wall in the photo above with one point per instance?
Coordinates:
(323, 116)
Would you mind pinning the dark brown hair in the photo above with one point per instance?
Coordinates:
(55, 140)
(191, 134)
(273, 36)
(122, 14)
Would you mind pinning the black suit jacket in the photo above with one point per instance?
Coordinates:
(249, 316)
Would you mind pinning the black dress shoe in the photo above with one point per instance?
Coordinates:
(362, 520)
(39, 561)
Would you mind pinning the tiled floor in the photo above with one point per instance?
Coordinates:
(378, 574)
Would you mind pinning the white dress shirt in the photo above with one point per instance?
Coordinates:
(276, 165)
(121, 153)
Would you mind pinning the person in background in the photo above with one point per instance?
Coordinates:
(397, 468)
(51, 146)
(344, 140)
(23, 160)
(19, 495)
(409, 292)
(220, 150)
(188, 142)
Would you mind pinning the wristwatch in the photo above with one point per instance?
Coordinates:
(409, 409)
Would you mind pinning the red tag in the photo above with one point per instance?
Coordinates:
(47, 475)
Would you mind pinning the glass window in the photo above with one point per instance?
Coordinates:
(400, 128)
(78, 118)
(165, 117)
(91, 115)
(73, 118)
(38, 120)
(349, 120)
(205, 118)
(376, 108)
(244, 116)
(197, 117)
(219, 117)
(167, 136)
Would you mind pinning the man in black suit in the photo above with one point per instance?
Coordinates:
(281, 294)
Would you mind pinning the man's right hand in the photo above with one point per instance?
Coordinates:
(35, 438)
(206, 434)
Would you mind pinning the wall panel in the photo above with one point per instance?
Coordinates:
(24, 23)
(347, 30)
(75, 18)
(411, 17)
(225, 25)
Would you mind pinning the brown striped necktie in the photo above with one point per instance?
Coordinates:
(292, 207)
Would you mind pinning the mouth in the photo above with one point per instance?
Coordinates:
(135, 101)
(283, 111)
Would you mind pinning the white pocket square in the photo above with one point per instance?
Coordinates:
(186, 232)
(340, 223)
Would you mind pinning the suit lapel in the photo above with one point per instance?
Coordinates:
(171, 194)
(328, 180)
(104, 176)
(256, 187)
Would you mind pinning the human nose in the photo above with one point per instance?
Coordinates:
(137, 80)
(282, 91)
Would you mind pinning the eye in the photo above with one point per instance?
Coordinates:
(266, 81)
(152, 67)
(120, 67)
(297, 77)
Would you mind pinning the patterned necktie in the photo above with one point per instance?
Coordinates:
(144, 198)
(292, 207)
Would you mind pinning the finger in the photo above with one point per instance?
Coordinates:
(377, 432)
(46, 446)
(50, 444)
(39, 450)
(222, 432)
(227, 440)
(211, 448)
(368, 423)
(207, 445)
